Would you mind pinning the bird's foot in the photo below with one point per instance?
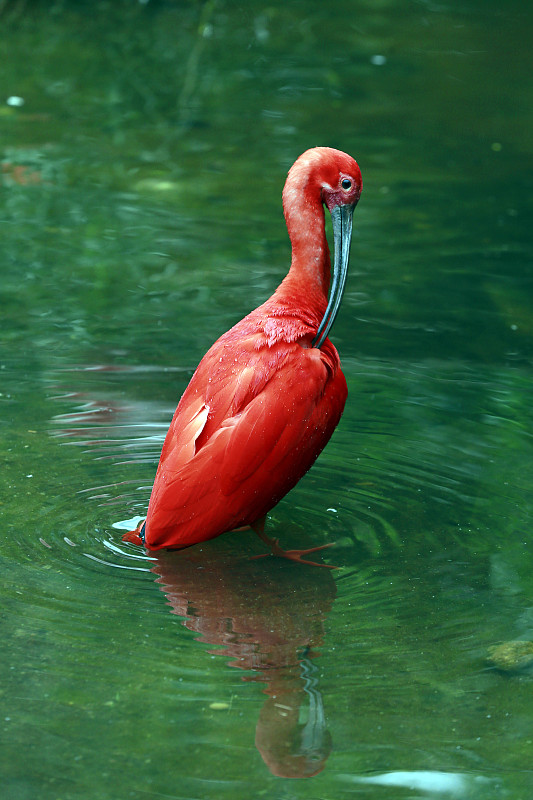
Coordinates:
(291, 555)
(294, 555)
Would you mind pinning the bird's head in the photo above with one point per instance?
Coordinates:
(335, 178)
(339, 178)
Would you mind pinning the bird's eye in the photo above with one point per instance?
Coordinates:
(346, 184)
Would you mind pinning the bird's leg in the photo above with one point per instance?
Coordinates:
(293, 555)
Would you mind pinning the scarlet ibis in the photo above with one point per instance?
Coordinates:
(267, 396)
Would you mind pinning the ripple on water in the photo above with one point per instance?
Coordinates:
(404, 462)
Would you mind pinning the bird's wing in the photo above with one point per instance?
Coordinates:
(273, 423)
(241, 438)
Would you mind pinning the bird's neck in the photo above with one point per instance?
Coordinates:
(309, 274)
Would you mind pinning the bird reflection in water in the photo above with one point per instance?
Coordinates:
(273, 631)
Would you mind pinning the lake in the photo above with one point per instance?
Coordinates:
(144, 147)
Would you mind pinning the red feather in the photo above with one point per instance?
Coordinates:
(263, 401)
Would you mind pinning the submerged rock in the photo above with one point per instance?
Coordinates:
(511, 656)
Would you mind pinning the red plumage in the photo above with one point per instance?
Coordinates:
(263, 401)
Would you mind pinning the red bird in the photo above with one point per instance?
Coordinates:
(267, 396)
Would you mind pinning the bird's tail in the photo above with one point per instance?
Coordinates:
(136, 536)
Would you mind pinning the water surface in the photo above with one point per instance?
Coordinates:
(141, 217)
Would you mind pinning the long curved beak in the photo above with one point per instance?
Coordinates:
(341, 217)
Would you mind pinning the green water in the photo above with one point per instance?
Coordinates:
(140, 218)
